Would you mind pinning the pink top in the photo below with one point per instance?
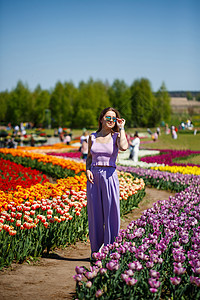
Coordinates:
(104, 154)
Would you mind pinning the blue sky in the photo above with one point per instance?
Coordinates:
(46, 41)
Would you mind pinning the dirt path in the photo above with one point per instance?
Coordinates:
(51, 278)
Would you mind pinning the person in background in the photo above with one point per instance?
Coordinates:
(61, 134)
(67, 139)
(167, 130)
(84, 136)
(154, 136)
(84, 148)
(16, 130)
(158, 131)
(135, 144)
(174, 133)
(102, 179)
(32, 141)
(149, 131)
(12, 143)
(60, 130)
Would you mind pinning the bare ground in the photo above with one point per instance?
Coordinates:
(52, 277)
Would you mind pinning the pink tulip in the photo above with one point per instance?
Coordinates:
(175, 280)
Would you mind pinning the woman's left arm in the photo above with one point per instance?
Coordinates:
(122, 140)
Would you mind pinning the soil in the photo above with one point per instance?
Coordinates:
(52, 277)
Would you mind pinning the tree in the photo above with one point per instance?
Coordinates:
(92, 97)
(198, 97)
(162, 104)
(19, 107)
(41, 101)
(85, 118)
(61, 104)
(56, 104)
(189, 96)
(120, 98)
(142, 100)
(4, 96)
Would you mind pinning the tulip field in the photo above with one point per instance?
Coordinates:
(158, 255)
(36, 215)
(155, 257)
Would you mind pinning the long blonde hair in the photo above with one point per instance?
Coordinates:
(102, 114)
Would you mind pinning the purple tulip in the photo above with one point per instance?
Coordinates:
(135, 265)
(129, 272)
(115, 256)
(132, 281)
(154, 283)
(112, 265)
(175, 280)
(99, 293)
(90, 275)
(88, 284)
(103, 271)
(153, 290)
(124, 277)
(195, 280)
(154, 274)
(196, 270)
(149, 264)
(98, 263)
(179, 271)
(80, 270)
(78, 277)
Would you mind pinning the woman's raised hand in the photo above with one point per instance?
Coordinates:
(121, 123)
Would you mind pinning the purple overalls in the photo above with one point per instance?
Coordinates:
(103, 195)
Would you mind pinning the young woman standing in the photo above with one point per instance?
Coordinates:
(102, 180)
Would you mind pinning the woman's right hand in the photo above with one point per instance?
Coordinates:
(90, 176)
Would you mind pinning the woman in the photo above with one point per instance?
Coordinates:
(103, 184)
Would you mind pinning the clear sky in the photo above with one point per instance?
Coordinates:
(46, 41)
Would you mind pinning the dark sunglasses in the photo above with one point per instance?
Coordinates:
(111, 119)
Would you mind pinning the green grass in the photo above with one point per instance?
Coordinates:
(183, 142)
(189, 160)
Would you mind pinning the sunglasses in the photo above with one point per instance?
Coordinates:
(111, 119)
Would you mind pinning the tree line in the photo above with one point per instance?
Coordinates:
(76, 107)
(190, 95)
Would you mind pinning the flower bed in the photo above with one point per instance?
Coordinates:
(162, 180)
(179, 169)
(13, 175)
(45, 147)
(77, 154)
(51, 165)
(167, 157)
(156, 257)
(44, 216)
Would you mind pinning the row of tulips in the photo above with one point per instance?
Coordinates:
(76, 154)
(195, 170)
(13, 175)
(41, 191)
(167, 156)
(156, 257)
(53, 147)
(53, 166)
(162, 180)
(44, 216)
